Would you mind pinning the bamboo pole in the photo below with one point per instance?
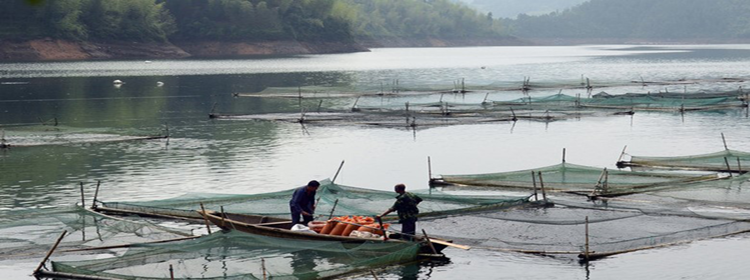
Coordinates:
(128, 245)
(739, 166)
(426, 237)
(205, 218)
(83, 202)
(429, 168)
(224, 216)
(63, 275)
(354, 107)
(563, 158)
(96, 194)
(533, 181)
(171, 272)
(622, 153)
(541, 184)
(41, 264)
(587, 238)
(729, 169)
(337, 172)
(333, 208)
(598, 183)
(723, 139)
(373, 275)
(606, 180)
(263, 266)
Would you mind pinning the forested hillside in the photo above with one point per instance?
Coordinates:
(419, 19)
(657, 20)
(241, 20)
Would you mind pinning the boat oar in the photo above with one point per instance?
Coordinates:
(446, 243)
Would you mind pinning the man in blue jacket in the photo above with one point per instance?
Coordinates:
(303, 203)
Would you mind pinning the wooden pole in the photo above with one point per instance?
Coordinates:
(587, 238)
(83, 202)
(541, 184)
(429, 168)
(354, 107)
(739, 166)
(729, 169)
(337, 172)
(263, 266)
(36, 271)
(96, 194)
(63, 275)
(533, 180)
(205, 218)
(622, 153)
(725, 141)
(128, 245)
(224, 216)
(333, 208)
(373, 275)
(606, 180)
(171, 272)
(426, 237)
(563, 159)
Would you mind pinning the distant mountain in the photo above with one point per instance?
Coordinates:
(512, 8)
(618, 21)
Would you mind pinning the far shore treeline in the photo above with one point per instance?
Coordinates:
(243, 20)
(129, 29)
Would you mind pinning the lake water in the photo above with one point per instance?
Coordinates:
(222, 156)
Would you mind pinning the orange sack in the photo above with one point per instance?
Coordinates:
(316, 226)
(338, 229)
(328, 227)
(349, 228)
(367, 228)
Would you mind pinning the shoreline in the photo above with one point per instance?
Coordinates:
(64, 50)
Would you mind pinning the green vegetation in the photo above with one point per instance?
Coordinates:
(512, 8)
(242, 20)
(641, 19)
(419, 19)
(138, 20)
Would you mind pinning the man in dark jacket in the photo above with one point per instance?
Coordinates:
(406, 206)
(303, 203)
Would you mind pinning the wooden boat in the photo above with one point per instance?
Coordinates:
(277, 227)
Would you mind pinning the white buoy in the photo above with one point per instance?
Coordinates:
(148, 61)
(158, 84)
(117, 82)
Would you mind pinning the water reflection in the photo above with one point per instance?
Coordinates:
(205, 155)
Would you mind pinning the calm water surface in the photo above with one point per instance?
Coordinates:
(205, 155)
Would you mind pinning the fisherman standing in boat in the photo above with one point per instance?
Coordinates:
(303, 203)
(406, 206)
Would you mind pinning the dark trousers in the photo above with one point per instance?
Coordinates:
(409, 228)
(296, 218)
